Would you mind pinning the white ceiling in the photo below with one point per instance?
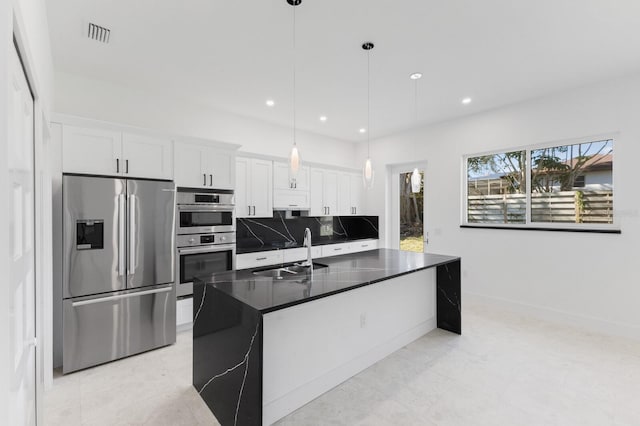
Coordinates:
(233, 55)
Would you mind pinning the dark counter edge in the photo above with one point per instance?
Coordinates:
(342, 290)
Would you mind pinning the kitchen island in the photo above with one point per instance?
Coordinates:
(264, 345)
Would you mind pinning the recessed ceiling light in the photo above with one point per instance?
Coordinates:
(323, 118)
(415, 76)
(466, 101)
(270, 102)
(363, 130)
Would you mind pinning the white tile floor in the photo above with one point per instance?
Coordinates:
(504, 370)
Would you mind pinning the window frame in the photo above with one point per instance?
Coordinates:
(613, 227)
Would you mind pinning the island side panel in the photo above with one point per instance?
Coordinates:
(449, 297)
(312, 347)
(227, 356)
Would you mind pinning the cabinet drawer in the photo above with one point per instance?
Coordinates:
(364, 245)
(336, 249)
(259, 259)
(300, 254)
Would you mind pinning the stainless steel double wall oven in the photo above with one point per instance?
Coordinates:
(206, 239)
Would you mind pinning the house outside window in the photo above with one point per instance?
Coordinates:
(568, 185)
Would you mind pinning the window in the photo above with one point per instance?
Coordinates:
(569, 185)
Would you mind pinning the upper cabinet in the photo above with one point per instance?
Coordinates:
(112, 153)
(91, 151)
(201, 166)
(147, 157)
(291, 193)
(323, 188)
(350, 189)
(254, 187)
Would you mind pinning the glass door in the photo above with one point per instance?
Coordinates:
(411, 210)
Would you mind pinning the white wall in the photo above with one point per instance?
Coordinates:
(579, 278)
(101, 100)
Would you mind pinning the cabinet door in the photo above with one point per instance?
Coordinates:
(357, 192)
(188, 165)
(316, 196)
(219, 167)
(345, 208)
(243, 203)
(261, 182)
(91, 151)
(281, 175)
(301, 181)
(147, 157)
(330, 192)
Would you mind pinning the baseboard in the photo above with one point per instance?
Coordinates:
(586, 323)
(275, 410)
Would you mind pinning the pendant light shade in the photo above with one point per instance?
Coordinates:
(367, 173)
(416, 180)
(294, 156)
(367, 170)
(294, 161)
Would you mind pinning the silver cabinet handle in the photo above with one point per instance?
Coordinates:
(249, 208)
(254, 210)
(261, 258)
(210, 180)
(293, 205)
(337, 249)
(132, 234)
(204, 175)
(117, 165)
(126, 162)
(119, 296)
(121, 235)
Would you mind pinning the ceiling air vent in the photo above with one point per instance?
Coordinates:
(98, 33)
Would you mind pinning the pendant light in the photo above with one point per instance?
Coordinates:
(367, 171)
(416, 179)
(294, 156)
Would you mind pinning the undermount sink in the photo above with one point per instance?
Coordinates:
(284, 271)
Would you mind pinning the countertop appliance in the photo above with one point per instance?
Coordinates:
(206, 239)
(118, 271)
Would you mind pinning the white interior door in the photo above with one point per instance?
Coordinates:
(21, 274)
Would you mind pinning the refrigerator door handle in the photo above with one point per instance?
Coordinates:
(132, 234)
(120, 296)
(121, 235)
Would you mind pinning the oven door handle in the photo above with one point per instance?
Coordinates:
(207, 249)
(215, 208)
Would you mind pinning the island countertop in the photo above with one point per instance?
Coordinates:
(343, 273)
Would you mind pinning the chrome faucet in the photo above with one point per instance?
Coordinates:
(307, 244)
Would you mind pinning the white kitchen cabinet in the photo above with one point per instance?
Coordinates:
(200, 166)
(356, 193)
(113, 153)
(363, 245)
(147, 157)
(300, 254)
(323, 189)
(349, 194)
(290, 193)
(259, 259)
(336, 249)
(91, 151)
(254, 187)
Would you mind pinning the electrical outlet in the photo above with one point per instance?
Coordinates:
(363, 320)
(326, 230)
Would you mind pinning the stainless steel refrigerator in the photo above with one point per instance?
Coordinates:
(118, 273)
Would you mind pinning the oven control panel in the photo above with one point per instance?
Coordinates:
(194, 240)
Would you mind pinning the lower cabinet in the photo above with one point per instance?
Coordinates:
(278, 257)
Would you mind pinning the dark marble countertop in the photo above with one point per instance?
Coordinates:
(343, 273)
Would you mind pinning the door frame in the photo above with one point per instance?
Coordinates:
(393, 204)
(15, 36)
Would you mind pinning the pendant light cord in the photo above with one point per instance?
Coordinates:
(369, 103)
(294, 75)
(415, 101)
